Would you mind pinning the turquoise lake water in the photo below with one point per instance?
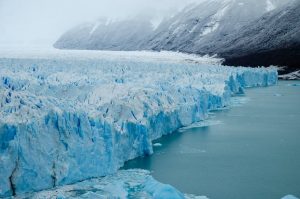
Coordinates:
(249, 151)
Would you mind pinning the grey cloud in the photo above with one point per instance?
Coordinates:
(31, 22)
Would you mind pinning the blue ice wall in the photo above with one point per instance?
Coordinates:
(63, 121)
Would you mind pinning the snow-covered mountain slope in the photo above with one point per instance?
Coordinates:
(107, 34)
(64, 119)
(273, 39)
(187, 31)
(196, 28)
(291, 76)
(237, 30)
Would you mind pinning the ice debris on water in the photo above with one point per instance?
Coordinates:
(289, 197)
(124, 184)
(277, 95)
(204, 123)
(157, 144)
(294, 84)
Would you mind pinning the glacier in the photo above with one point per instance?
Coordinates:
(69, 116)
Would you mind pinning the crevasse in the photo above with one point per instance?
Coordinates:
(64, 121)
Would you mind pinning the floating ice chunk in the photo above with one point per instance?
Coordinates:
(161, 191)
(157, 144)
(294, 84)
(184, 149)
(191, 196)
(289, 197)
(204, 123)
(239, 101)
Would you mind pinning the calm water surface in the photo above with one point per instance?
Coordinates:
(253, 153)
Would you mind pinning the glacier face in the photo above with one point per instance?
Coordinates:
(64, 120)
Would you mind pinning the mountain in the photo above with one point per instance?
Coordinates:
(273, 39)
(244, 32)
(109, 35)
(196, 29)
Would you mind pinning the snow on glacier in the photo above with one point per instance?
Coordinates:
(68, 116)
(162, 56)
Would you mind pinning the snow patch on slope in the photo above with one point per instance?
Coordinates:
(156, 22)
(291, 76)
(214, 22)
(270, 6)
(97, 24)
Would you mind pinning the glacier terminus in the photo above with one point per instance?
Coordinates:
(70, 116)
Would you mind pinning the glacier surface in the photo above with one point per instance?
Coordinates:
(66, 117)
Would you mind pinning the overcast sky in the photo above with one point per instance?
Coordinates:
(36, 22)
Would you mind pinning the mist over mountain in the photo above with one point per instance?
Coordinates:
(244, 32)
(106, 34)
(196, 29)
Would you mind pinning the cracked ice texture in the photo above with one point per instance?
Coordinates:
(63, 120)
(124, 184)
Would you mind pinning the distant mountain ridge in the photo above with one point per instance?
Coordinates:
(106, 35)
(273, 39)
(244, 32)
